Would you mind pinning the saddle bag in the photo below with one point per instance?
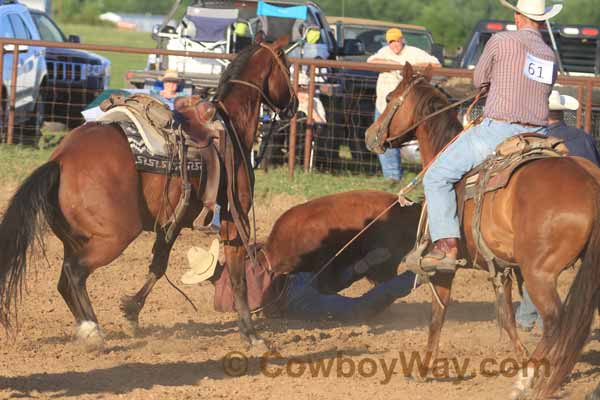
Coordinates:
(528, 143)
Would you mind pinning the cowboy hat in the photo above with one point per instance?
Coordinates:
(558, 102)
(534, 9)
(202, 263)
(170, 76)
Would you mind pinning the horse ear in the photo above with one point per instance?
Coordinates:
(408, 71)
(281, 42)
(260, 37)
(428, 73)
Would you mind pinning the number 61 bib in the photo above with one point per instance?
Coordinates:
(539, 70)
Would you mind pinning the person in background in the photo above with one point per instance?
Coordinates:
(169, 93)
(397, 52)
(580, 144)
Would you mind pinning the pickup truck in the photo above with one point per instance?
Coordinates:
(16, 22)
(352, 108)
(578, 45)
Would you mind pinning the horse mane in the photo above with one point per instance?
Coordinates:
(443, 127)
(234, 70)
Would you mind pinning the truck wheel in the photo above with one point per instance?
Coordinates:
(31, 131)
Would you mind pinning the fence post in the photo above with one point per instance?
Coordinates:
(293, 128)
(580, 109)
(588, 107)
(309, 119)
(13, 95)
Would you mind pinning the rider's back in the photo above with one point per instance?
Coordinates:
(521, 69)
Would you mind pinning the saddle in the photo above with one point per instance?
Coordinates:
(167, 134)
(495, 173)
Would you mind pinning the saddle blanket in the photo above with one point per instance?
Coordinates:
(147, 162)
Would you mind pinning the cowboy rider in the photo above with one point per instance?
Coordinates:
(519, 69)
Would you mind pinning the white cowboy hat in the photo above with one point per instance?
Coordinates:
(202, 263)
(558, 102)
(534, 9)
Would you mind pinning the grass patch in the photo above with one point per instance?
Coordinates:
(107, 35)
(17, 162)
(316, 184)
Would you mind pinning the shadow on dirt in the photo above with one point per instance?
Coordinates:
(126, 378)
(398, 316)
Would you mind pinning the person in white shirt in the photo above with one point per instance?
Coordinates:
(397, 52)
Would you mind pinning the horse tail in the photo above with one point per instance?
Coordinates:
(22, 227)
(563, 346)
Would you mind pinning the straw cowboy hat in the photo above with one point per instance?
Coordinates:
(202, 263)
(558, 102)
(534, 9)
(170, 76)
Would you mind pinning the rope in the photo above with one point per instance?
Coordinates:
(181, 293)
(332, 259)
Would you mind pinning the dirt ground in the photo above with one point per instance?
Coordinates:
(179, 353)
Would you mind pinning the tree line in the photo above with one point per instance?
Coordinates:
(450, 21)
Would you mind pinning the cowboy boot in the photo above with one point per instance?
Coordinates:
(443, 256)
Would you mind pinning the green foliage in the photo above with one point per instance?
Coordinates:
(120, 62)
(451, 21)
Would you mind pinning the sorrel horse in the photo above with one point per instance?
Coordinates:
(544, 220)
(97, 203)
(308, 235)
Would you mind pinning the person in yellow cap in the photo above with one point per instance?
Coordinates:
(396, 52)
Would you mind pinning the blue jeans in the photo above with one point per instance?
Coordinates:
(527, 315)
(306, 302)
(468, 151)
(390, 161)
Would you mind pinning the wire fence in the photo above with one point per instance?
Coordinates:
(337, 105)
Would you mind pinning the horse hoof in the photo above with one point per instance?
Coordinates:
(259, 346)
(523, 385)
(90, 336)
(131, 328)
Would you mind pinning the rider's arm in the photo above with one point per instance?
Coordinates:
(483, 70)
(382, 57)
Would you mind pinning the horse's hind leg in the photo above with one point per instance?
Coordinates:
(508, 319)
(131, 306)
(72, 287)
(542, 290)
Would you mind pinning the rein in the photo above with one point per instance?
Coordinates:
(264, 97)
(476, 97)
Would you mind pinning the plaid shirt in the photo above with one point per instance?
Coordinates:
(514, 96)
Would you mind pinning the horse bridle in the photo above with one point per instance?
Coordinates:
(265, 98)
(395, 104)
(399, 100)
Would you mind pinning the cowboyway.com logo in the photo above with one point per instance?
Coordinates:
(274, 365)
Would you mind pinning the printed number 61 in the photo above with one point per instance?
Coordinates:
(531, 70)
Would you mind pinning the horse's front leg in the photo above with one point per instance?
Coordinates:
(235, 255)
(442, 284)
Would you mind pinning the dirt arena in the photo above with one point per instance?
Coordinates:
(179, 353)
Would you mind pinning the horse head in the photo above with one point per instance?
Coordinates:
(277, 85)
(399, 114)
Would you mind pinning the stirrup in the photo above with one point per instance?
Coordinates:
(425, 268)
(204, 219)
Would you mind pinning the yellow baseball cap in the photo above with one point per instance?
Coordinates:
(393, 34)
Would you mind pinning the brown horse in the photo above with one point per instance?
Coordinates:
(97, 203)
(525, 223)
(307, 236)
